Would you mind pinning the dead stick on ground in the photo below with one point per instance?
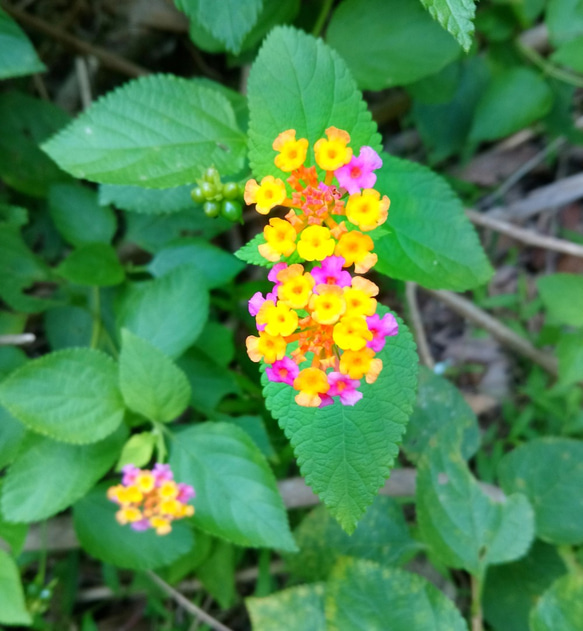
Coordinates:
(17, 340)
(498, 330)
(417, 323)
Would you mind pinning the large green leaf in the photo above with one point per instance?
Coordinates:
(17, 56)
(362, 595)
(12, 605)
(169, 312)
(158, 131)
(101, 536)
(49, 476)
(428, 237)
(237, 496)
(562, 296)
(456, 16)
(297, 82)
(71, 395)
(464, 527)
(389, 42)
(561, 606)
(151, 384)
(346, 453)
(93, 264)
(549, 471)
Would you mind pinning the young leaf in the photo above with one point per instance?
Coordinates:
(49, 476)
(562, 296)
(12, 605)
(549, 471)
(157, 131)
(169, 312)
(94, 264)
(429, 239)
(237, 496)
(346, 453)
(297, 82)
(108, 541)
(389, 42)
(70, 395)
(250, 253)
(362, 595)
(456, 16)
(561, 606)
(151, 384)
(137, 451)
(17, 56)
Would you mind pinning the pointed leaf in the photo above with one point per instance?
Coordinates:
(17, 56)
(12, 606)
(456, 16)
(93, 264)
(561, 606)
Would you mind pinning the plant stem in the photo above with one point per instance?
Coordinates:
(548, 67)
(569, 559)
(96, 329)
(322, 17)
(476, 610)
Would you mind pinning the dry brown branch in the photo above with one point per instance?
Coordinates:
(17, 340)
(417, 324)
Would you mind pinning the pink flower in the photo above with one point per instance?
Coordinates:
(141, 525)
(344, 387)
(326, 400)
(129, 474)
(255, 303)
(331, 273)
(274, 271)
(283, 371)
(381, 328)
(162, 473)
(185, 492)
(358, 173)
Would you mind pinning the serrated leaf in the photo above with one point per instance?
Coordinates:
(250, 253)
(93, 264)
(429, 238)
(295, 609)
(297, 82)
(49, 476)
(102, 537)
(169, 312)
(158, 131)
(560, 607)
(346, 453)
(549, 471)
(389, 42)
(17, 55)
(464, 527)
(362, 595)
(12, 606)
(12, 434)
(456, 16)
(70, 395)
(562, 296)
(151, 384)
(237, 497)
(148, 201)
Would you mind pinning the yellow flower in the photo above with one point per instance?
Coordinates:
(278, 319)
(358, 303)
(267, 347)
(128, 515)
(356, 364)
(367, 210)
(356, 249)
(280, 238)
(311, 382)
(168, 490)
(328, 304)
(315, 243)
(161, 525)
(271, 192)
(296, 290)
(351, 333)
(333, 153)
(144, 482)
(129, 495)
(292, 152)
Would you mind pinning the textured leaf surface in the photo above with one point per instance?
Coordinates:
(151, 384)
(362, 595)
(430, 240)
(49, 476)
(549, 471)
(158, 131)
(70, 395)
(237, 496)
(346, 453)
(389, 42)
(561, 606)
(297, 82)
(101, 535)
(12, 606)
(94, 264)
(562, 296)
(17, 56)
(456, 16)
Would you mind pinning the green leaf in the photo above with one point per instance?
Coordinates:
(295, 609)
(217, 573)
(362, 595)
(255, 428)
(515, 99)
(429, 240)
(346, 453)
(78, 216)
(169, 312)
(549, 471)
(13, 534)
(297, 82)
(14, 215)
(157, 131)
(389, 42)
(11, 357)
(561, 606)
(570, 355)
(570, 54)
(250, 253)
(512, 588)
(49, 476)
(148, 201)
(68, 327)
(17, 56)
(101, 536)
(217, 266)
(12, 433)
(151, 384)
(237, 496)
(229, 21)
(464, 527)
(439, 404)
(564, 19)
(137, 451)
(562, 296)
(12, 606)
(217, 342)
(382, 535)
(94, 264)
(456, 16)
(70, 395)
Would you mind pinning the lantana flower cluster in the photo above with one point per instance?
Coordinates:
(151, 499)
(318, 330)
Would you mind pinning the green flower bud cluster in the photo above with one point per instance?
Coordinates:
(218, 198)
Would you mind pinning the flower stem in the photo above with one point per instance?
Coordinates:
(96, 329)
(476, 609)
(322, 17)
